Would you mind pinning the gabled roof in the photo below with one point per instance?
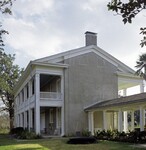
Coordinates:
(83, 50)
(132, 99)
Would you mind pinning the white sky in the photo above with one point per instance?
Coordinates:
(39, 28)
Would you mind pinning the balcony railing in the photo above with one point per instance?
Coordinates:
(50, 95)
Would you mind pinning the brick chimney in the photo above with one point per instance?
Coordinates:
(90, 38)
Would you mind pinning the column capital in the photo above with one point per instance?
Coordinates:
(120, 109)
(37, 74)
(141, 107)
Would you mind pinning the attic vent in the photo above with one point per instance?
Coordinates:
(90, 38)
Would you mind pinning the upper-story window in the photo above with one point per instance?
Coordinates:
(18, 99)
(33, 86)
(22, 94)
(27, 90)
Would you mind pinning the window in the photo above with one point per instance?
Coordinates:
(22, 92)
(51, 116)
(18, 99)
(32, 86)
(27, 91)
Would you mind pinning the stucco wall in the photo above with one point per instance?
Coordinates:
(88, 79)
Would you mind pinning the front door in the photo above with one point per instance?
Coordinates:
(52, 122)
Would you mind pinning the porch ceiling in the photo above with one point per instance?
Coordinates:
(119, 102)
(125, 84)
(45, 78)
(128, 80)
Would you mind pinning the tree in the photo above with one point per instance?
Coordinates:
(4, 9)
(9, 75)
(128, 11)
(141, 66)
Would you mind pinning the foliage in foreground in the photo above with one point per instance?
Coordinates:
(6, 143)
(131, 137)
(21, 133)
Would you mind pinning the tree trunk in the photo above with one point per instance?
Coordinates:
(11, 119)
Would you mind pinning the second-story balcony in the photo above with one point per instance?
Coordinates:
(50, 96)
(50, 90)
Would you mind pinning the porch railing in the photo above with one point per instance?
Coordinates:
(50, 95)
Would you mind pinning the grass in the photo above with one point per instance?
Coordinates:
(4, 131)
(6, 143)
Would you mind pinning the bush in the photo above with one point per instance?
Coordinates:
(20, 133)
(17, 130)
(86, 133)
(29, 135)
(104, 135)
(131, 137)
(82, 140)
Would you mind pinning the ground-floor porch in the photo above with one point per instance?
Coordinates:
(48, 122)
(124, 114)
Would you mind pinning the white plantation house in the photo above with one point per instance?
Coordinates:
(78, 90)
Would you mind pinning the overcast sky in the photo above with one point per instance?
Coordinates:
(39, 28)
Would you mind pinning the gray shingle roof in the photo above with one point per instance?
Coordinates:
(132, 99)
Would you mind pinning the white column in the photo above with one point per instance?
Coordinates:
(125, 122)
(104, 120)
(142, 87)
(25, 119)
(62, 108)
(125, 113)
(91, 122)
(132, 120)
(115, 120)
(30, 119)
(37, 104)
(62, 121)
(20, 125)
(141, 119)
(120, 122)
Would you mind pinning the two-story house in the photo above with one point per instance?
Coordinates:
(64, 93)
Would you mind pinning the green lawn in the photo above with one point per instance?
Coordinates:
(59, 144)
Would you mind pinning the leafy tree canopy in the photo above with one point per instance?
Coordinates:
(9, 75)
(9, 72)
(5, 6)
(128, 10)
(141, 66)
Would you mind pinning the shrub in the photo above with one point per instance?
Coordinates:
(82, 140)
(29, 135)
(86, 133)
(131, 137)
(20, 133)
(16, 131)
